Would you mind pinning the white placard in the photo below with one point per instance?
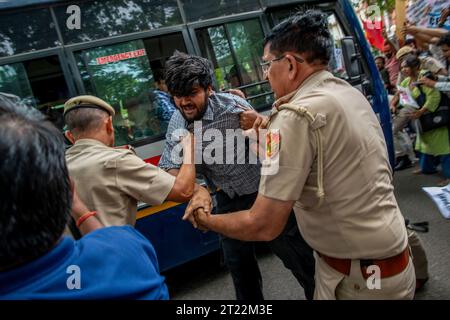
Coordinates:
(441, 197)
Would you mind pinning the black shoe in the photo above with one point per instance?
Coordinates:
(420, 283)
(404, 163)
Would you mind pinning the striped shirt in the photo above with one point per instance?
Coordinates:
(232, 169)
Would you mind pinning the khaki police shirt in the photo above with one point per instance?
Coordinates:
(111, 181)
(359, 217)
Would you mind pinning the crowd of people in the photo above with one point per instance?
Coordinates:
(416, 77)
(328, 211)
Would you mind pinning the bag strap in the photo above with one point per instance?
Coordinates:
(422, 98)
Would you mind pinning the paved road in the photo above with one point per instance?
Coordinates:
(206, 279)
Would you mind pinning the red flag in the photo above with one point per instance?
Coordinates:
(374, 33)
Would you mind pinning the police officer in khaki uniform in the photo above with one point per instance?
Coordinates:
(111, 180)
(329, 162)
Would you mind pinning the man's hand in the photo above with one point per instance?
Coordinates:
(236, 92)
(261, 122)
(247, 118)
(251, 122)
(417, 114)
(393, 108)
(427, 82)
(201, 218)
(201, 199)
(394, 102)
(252, 119)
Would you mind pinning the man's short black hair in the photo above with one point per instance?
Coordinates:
(184, 71)
(412, 61)
(35, 197)
(305, 32)
(409, 41)
(445, 39)
(85, 119)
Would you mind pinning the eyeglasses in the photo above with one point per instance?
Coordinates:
(266, 65)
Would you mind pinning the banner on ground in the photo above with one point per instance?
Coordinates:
(441, 197)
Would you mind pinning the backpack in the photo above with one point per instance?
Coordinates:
(437, 119)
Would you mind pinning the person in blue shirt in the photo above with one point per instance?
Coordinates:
(162, 98)
(37, 199)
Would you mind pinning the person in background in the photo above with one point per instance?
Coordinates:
(433, 145)
(426, 39)
(37, 199)
(443, 82)
(410, 42)
(426, 63)
(162, 98)
(392, 65)
(380, 62)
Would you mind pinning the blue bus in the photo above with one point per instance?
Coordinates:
(116, 50)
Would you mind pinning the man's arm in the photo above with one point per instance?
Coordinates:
(257, 224)
(78, 210)
(439, 85)
(424, 36)
(427, 33)
(184, 186)
(200, 199)
(150, 184)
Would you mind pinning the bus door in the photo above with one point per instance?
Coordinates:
(39, 83)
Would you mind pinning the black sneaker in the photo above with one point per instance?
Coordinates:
(403, 163)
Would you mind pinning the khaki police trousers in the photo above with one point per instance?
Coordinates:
(333, 285)
(418, 253)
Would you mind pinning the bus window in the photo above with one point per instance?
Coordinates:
(200, 10)
(235, 50)
(103, 19)
(14, 80)
(26, 31)
(39, 83)
(127, 75)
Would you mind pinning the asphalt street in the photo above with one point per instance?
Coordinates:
(207, 279)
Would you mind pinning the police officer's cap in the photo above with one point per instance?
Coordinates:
(87, 102)
(403, 51)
